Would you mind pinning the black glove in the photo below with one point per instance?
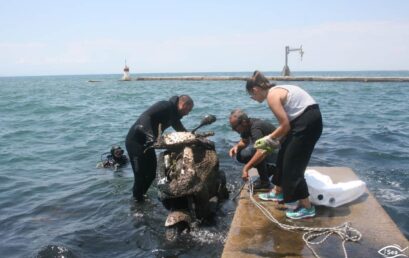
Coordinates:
(150, 140)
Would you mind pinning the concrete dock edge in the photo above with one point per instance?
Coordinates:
(253, 235)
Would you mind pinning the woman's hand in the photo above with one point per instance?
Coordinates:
(267, 143)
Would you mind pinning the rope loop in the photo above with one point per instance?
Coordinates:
(345, 231)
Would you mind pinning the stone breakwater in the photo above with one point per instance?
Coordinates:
(274, 78)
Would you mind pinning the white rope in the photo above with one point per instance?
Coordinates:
(344, 231)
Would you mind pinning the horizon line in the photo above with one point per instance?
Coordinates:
(144, 73)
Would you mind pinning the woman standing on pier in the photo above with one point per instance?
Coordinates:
(300, 127)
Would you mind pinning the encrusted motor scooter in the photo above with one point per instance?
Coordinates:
(190, 184)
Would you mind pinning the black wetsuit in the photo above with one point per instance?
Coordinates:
(258, 129)
(112, 161)
(146, 129)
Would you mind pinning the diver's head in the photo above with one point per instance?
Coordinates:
(185, 105)
(117, 152)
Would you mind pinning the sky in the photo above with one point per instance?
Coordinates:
(96, 37)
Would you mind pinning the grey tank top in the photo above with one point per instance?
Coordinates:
(297, 100)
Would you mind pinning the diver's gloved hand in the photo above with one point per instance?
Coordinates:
(148, 133)
(150, 140)
(267, 144)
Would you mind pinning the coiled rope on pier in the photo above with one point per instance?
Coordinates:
(344, 231)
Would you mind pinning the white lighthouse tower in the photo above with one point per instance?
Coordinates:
(126, 76)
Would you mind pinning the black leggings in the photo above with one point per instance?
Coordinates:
(143, 166)
(295, 153)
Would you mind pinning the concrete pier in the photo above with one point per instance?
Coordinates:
(274, 78)
(253, 235)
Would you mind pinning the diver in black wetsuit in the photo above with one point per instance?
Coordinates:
(115, 159)
(145, 130)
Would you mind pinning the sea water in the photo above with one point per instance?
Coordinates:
(53, 130)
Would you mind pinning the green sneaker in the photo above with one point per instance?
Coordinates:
(301, 213)
(271, 196)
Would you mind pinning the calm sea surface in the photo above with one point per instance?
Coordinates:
(53, 131)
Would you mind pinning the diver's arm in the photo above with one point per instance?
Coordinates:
(145, 121)
(178, 126)
(159, 109)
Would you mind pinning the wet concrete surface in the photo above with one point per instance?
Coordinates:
(253, 235)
